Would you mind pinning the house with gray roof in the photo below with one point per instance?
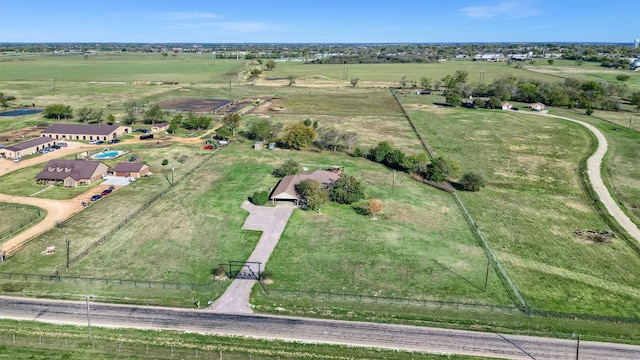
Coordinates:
(26, 148)
(72, 172)
(85, 132)
(286, 188)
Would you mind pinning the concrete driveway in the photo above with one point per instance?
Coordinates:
(271, 221)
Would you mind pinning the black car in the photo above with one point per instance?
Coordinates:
(96, 197)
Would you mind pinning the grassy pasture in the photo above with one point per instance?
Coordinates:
(621, 174)
(14, 215)
(586, 71)
(533, 203)
(372, 74)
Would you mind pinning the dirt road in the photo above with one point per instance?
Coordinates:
(594, 166)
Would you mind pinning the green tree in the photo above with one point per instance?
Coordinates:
(379, 153)
(394, 159)
(354, 82)
(440, 169)
(111, 119)
(224, 132)
(494, 103)
(623, 77)
(270, 65)
(3, 101)
(472, 181)
(84, 114)
(292, 80)
(153, 115)
(232, 121)
(635, 100)
(298, 136)
(425, 82)
(289, 167)
(453, 98)
(131, 110)
(346, 190)
(262, 129)
(254, 74)
(58, 111)
(411, 162)
(260, 197)
(550, 62)
(313, 195)
(404, 82)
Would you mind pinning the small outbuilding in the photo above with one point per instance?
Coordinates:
(258, 145)
(160, 127)
(537, 106)
(131, 170)
(506, 106)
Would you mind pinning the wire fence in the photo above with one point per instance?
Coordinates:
(385, 300)
(78, 345)
(24, 223)
(55, 278)
(424, 142)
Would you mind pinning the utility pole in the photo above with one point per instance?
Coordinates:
(578, 336)
(393, 184)
(486, 277)
(172, 170)
(89, 321)
(66, 237)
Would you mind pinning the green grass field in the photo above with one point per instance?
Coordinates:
(529, 210)
(15, 215)
(532, 204)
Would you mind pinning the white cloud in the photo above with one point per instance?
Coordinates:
(510, 10)
(186, 15)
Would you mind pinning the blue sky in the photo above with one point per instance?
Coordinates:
(318, 21)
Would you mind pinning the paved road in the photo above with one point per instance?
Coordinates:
(312, 330)
(594, 166)
(271, 221)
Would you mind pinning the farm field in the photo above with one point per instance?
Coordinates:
(532, 205)
(420, 249)
(389, 74)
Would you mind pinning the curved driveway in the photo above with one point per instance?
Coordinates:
(594, 167)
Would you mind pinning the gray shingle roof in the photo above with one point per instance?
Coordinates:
(29, 143)
(61, 169)
(80, 129)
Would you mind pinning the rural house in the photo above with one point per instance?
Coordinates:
(72, 172)
(85, 132)
(286, 189)
(132, 170)
(26, 148)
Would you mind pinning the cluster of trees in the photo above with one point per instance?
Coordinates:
(436, 170)
(586, 94)
(334, 139)
(87, 114)
(190, 122)
(298, 136)
(4, 100)
(58, 112)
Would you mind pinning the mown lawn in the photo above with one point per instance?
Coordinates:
(15, 215)
(533, 203)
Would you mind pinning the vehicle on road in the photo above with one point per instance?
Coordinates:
(96, 197)
(209, 147)
(106, 192)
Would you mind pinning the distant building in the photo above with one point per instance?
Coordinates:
(636, 44)
(488, 57)
(131, 170)
(85, 132)
(537, 106)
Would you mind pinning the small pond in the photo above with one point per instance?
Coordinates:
(20, 112)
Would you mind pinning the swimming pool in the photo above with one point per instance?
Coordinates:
(107, 155)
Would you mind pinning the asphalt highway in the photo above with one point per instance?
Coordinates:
(311, 330)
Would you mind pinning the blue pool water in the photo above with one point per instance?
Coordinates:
(108, 154)
(20, 112)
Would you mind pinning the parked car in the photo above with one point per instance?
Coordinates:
(62, 144)
(17, 159)
(96, 197)
(114, 141)
(99, 142)
(209, 147)
(146, 136)
(106, 192)
(3, 146)
(515, 108)
(93, 142)
(44, 151)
